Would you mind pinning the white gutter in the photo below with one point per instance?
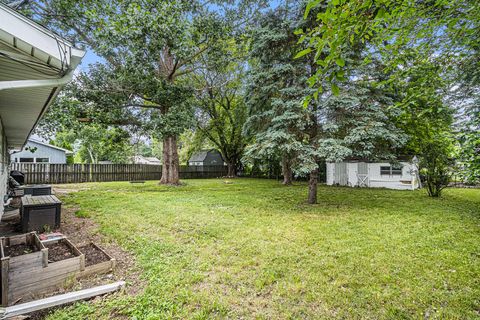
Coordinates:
(67, 77)
(20, 84)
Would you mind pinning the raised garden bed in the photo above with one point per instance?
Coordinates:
(29, 267)
(97, 261)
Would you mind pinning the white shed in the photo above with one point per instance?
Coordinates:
(354, 173)
(39, 152)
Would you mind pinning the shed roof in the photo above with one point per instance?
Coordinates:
(199, 156)
(35, 63)
(50, 146)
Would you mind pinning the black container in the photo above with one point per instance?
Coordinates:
(40, 213)
(37, 190)
(18, 176)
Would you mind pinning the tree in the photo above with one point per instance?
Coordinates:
(469, 143)
(94, 143)
(328, 127)
(435, 37)
(441, 31)
(149, 47)
(221, 108)
(277, 85)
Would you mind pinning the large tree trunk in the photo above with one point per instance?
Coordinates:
(286, 171)
(171, 163)
(312, 187)
(232, 169)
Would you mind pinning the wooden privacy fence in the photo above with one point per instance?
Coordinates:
(37, 173)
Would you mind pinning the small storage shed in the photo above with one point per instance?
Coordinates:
(36, 151)
(356, 173)
(210, 157)
(146, 160)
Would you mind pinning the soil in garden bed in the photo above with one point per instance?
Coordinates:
(59, 251)
(93, 255)
(19, 249)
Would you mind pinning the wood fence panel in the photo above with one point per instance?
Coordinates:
(38, 173)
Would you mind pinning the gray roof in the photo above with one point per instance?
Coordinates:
(50, 146)
(199, 156)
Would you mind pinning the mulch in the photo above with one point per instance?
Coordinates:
(93, 255)
(19, 249)
(59, 251)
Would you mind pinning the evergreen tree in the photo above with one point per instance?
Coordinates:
(277, 85)
(327, 127)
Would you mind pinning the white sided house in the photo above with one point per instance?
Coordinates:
(39, 152)
(35, 64)
(354, 173)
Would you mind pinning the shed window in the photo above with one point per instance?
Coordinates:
(391, 170)
(42, 160)
(26, 159)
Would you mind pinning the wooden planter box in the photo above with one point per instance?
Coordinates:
(32, 273)
(99, 268)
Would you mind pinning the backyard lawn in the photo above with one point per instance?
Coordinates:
(254, 249)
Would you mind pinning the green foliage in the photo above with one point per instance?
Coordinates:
(220, 101)
(354, 123)
(436, 164)
(277, 84)
(65, 140)
(191, 142)
(428, 51)
(94, 143)
(469, 144)
(441, 30)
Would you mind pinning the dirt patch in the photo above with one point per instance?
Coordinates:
(19, 249)
(59, 251)
(93, 255)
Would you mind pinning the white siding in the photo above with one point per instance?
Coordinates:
(375, 179)
(54, 155)
(4, 166)
(330, 176)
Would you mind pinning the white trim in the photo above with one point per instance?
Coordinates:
(20, 84)
(35, 160)
(50, 145)
(27, 33)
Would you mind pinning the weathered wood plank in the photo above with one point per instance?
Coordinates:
(60, 299)
(26, 260)
(74, 173)
(54, 270)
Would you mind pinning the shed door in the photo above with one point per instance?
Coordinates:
(341, 177)
(362, 174)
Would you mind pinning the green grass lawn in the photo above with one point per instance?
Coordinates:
(255, 249)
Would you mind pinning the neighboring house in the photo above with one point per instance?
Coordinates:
(356, 173)
(35, 64)
(39, 152)
(146, 160)
(206, 158)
